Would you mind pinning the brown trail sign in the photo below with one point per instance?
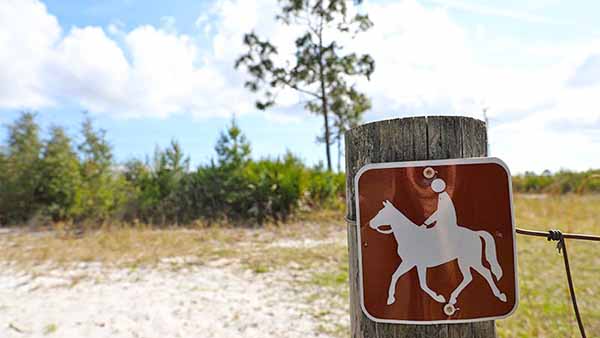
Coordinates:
(403, 297)
(437, 241)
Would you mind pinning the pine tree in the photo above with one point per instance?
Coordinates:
(233, 149)
(4, 185)
(21, 166)
(99, 184)
(60, 190)
(171, 169)
(320, 71)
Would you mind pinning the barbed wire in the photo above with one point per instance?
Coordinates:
(561, 246)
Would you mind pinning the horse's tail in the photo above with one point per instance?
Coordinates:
(490, 253)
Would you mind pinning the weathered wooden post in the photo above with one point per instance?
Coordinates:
(408, 139)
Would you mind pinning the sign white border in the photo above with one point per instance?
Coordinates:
(433, 163)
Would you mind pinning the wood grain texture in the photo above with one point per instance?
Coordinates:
(407, 139)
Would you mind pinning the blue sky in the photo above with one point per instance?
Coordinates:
(151, 71)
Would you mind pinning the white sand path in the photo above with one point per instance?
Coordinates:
(200, 301)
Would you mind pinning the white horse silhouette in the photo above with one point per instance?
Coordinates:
(424, 248)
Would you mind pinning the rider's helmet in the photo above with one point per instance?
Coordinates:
(438, 185)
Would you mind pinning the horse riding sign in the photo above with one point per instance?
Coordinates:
(437, 241)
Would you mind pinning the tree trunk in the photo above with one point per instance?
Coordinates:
(408, 139)
(325, 110)
(324, 103)
(327, 134)
(339, 152)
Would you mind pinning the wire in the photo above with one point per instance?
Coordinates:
(572, 288)
(564, 235)
(557, 235)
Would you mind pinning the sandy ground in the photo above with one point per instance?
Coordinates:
(89, 300)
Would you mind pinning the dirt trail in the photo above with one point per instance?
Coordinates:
(88, 300)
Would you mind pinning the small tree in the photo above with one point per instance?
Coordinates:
(157, 184)
(3, 184)
(233, 149)
(21, 165)
(231, 188)
(100, 186)
(171, 165)
(60, 189)
(95, 149)
(320, 71)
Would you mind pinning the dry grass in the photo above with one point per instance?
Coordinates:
(313, 248)
(117, 246)
(125, 246)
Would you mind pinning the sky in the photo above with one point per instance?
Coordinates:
(149, 71)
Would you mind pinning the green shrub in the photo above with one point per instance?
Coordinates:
(256, 191)
(275, 188)
(561, 182)
(325, 189)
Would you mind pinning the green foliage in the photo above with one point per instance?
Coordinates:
(84, 183)
(561, 182)
(320, 70)
(233, 149)
(259, 191)
(239, 189)
(275, 188)
(103, 191)
(156, 185)
(325, 189)
(21, 170)
(60, 187)
(54, 179)
(236, 188)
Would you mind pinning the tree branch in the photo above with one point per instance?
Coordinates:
(295, 87)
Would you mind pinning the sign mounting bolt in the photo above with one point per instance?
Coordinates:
(449, 309)
(429, 172)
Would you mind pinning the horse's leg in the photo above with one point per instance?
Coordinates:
(465, 269)
(402, 269)
(488, 277)
(422, 270)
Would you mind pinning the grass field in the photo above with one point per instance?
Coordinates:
(313, 251)
(545, 309)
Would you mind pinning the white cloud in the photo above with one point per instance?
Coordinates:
(116, 27)
(150, 72)
(588, 73)
(89, 67)
(493, 11)
(420, 54)
(27, 34)
(429, 64)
